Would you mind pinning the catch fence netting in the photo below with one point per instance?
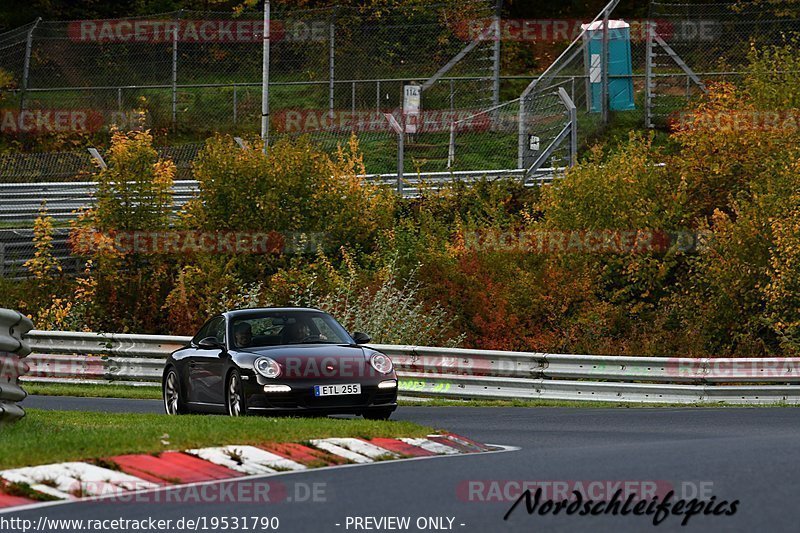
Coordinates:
(699, 43)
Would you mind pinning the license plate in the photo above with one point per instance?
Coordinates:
(337, 390)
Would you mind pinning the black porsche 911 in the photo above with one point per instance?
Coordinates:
(279, 361)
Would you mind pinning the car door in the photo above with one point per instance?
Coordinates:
(188, 361)
(205, 366)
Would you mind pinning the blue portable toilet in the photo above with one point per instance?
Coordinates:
(620, 89)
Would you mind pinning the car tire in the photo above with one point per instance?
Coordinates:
(235, 404)
(378, 414)
(172, 394)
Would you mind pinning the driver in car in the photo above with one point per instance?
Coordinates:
(243, 334)
(296, 332)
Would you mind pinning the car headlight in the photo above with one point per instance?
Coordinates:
(269, 368)
(381, 363)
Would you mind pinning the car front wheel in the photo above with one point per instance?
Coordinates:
(171, 391)
(234, 395)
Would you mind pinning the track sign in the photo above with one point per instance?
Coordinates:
(533, 143)
(411, 105)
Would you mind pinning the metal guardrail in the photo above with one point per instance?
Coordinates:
(459, 373)
(13, 348)
(21, 202)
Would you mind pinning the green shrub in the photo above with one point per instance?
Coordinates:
(295, 188)
(387, 307)
(772, 78)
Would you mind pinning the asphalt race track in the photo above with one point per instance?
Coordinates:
(745, 454)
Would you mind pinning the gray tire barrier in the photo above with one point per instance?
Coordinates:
(13, 349)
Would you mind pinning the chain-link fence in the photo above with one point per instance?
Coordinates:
(694, 44)
(17, 167)
(592, 75)
(426, 89)
(332, 72)
(596, 81)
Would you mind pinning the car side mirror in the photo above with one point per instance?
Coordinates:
(209, 343)
(361, 338)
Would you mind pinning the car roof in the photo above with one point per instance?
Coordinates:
(254, 310)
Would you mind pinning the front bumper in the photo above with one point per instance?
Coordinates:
(301, 399)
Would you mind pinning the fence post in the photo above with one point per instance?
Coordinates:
(119, 100)
(235, 105)
(175, 72)
(451, 148)
(331, 62)
(26, 68)
(572, 89)
(521, 118)
(587, 60)
(496, 53)
(573, 128)
(401, 151)
(604, 66)
(265, 79)
(401, 157)
(649, 81)
(378, 97)
(353, 103)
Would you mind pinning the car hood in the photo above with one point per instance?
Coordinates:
(302, 361)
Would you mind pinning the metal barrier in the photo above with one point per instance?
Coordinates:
(13, 348)
(459, 373)
(21, 202)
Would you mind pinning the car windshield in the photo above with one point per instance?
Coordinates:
(274, 328)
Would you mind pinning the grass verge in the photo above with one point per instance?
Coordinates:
(93, 391)
(68, 436)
